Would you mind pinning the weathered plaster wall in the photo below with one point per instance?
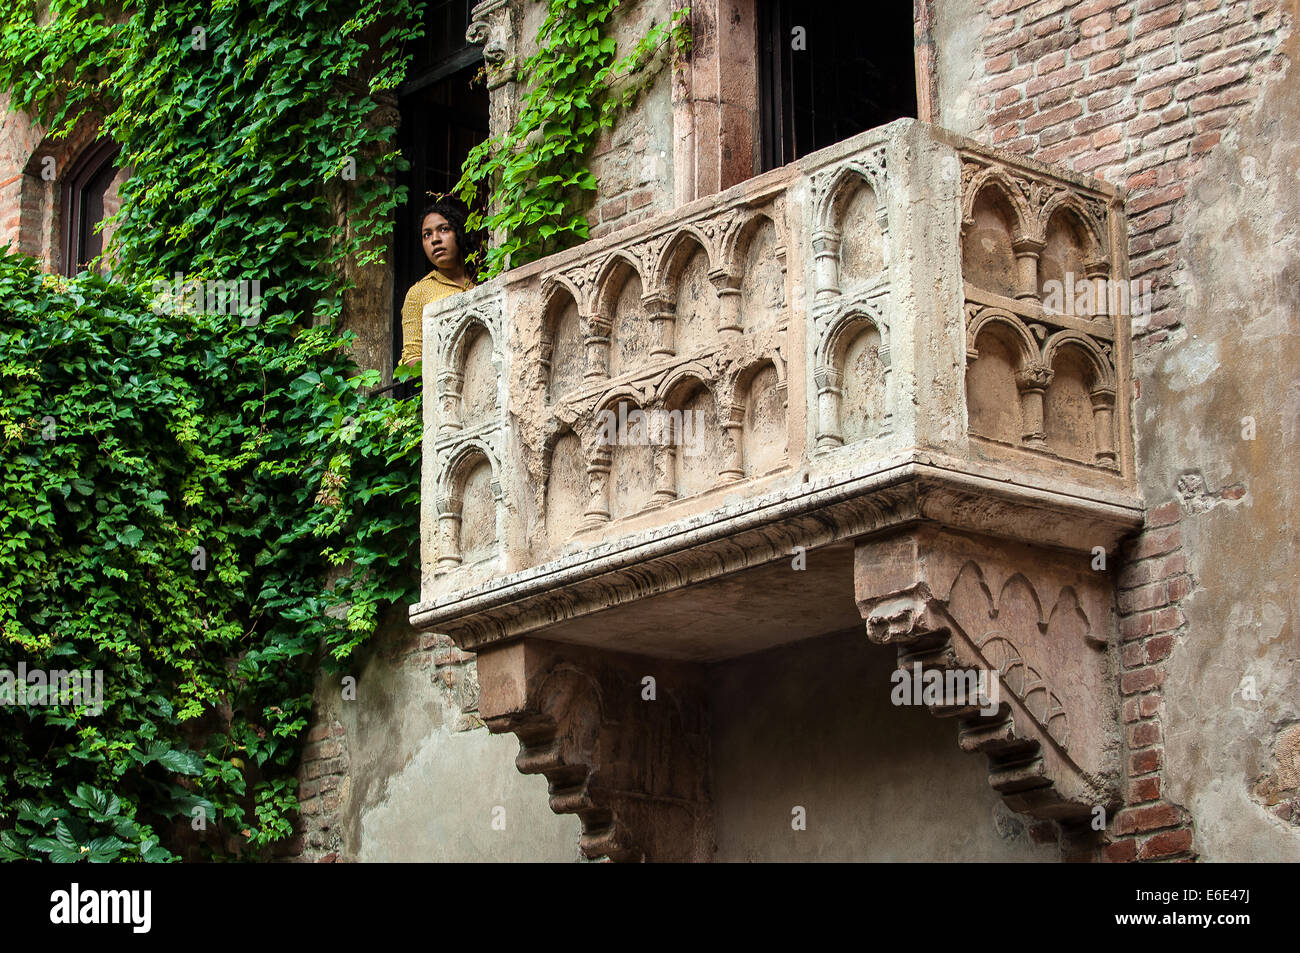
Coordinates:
(812, 725)
(404, 772)
(1232, 759)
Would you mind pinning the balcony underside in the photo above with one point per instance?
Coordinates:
(726, 583)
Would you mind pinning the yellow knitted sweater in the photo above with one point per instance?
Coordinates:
(432, 287)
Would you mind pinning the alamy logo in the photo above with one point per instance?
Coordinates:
(52, 687)
(243, 298)
(949, 687)
(1087, 297)
(75, 906)
(636, 427)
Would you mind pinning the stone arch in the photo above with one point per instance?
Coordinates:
(1066, 202)
(852, 377)
(758, 257)
(629, 460)
(861, 355)
(760, 390)
(1025, 345)
(1070, 257)
(993, 224)
(566, 491)
(619, 305)
(468, 496)
(1080, 400)
(696, 446)
(472, 358)
(847, 179)
(1001, 352)
(679, 249)
(1018, 597)
(685, 269)
(857, 215)
(563, 351)
(1103, 373)
(997, 181)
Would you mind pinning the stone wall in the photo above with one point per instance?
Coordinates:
(1184, 104)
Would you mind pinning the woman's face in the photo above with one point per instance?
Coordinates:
(440, 242)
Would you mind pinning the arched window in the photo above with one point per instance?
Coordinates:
(89, 196)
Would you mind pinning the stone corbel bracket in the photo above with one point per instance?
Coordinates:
(621, 741)
(1040, 624)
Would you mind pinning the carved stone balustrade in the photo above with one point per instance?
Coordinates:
(886, 386)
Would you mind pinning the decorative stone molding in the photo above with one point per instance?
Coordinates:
(491, 26)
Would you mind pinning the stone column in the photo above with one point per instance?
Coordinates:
(1097, 272)
(448, 532)
(826, 249)
(449, 389)
(598, 487)
(1027, 251)
(728, 287)
(733, 431)
(1103, 414)
(597, 343)
(1032, 381)
(665, 458)
(829, 437)
(662, 315)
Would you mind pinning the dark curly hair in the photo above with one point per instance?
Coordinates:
(456, 214)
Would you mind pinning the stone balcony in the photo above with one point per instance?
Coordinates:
(863, 390)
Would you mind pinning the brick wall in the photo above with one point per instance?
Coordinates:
(626, 170)
(1151, 584)
(1137, 94)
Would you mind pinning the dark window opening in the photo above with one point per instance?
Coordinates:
(85, 193)
(444, 114)
(830, 70)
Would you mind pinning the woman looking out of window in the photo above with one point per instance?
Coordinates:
(446, 245)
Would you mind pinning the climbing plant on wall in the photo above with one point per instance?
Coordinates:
(195, 502)
(576, 87)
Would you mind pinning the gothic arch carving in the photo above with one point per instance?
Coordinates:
(681, 246)
(1051, 677)
(1080, 406)
(831, 376)
(1067, 203)
(634, 773)
(1097, 359)
(454, 492)
(1026, 345)
(630, 340)
(994, 180)
(562, 364)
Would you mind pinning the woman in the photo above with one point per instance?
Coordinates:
(446, 245)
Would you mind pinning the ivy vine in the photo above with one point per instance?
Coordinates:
(193, 503)
(203, 508)
(576, 86)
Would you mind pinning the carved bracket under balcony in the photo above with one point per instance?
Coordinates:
(622, 742)
(1038, 625)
